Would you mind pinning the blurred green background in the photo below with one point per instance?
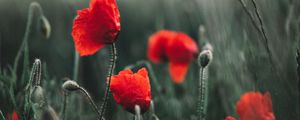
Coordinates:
(240, 57)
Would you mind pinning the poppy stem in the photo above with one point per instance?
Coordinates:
(2, 116)
(152, 110)
(110, 72)
(201, 95)
(63, 113)
(76, 66)
(137, 109)
(95, 108)
(204, 59)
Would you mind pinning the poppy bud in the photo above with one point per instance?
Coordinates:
(45, 26)
(70, 85)
(205, 57)
(37, 95)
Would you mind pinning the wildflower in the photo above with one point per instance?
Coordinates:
(229, 118)
(14, 116)
(157, 45)
(130, 89)
(255, 106)
(96, 26)
(176, 47)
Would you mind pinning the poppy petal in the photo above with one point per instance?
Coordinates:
(96, 26)
(178, 71)
(143, 72)
(130, 89)
(229, 118)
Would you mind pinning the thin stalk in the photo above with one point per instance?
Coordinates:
(249, 14)
(152, 110)
(24, 44)
(75, 77)
(112, 65)
(137, 109)
(2, 116)
(91, 101)
(202, 95)
(63, 113)
(260, 28)
(76, 66)
(298, 72)
(263, 31)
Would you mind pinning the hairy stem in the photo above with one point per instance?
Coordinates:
(112, 65)
(91, 101)
(202, 95)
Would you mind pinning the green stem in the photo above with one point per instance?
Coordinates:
(2, 116)
(95, 108)
(63, 113)
(76, 66)
(137, 109)
(112, 65)
(202, 95)
(24, 44)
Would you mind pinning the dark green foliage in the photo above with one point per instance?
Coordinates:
(243, 60)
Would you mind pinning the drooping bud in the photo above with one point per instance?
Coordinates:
(70, 85)
(45, 26)
(204, 58)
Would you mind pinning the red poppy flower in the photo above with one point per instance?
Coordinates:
(255, 106)
(130, 89)
(14, 116)
(96, 26)
(157, 45)
(176, 47)
(180, 51)
(229, 118)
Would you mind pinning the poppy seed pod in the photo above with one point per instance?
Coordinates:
(204, 58)
(70, 85)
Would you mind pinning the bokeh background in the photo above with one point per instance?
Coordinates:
(240, 59)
